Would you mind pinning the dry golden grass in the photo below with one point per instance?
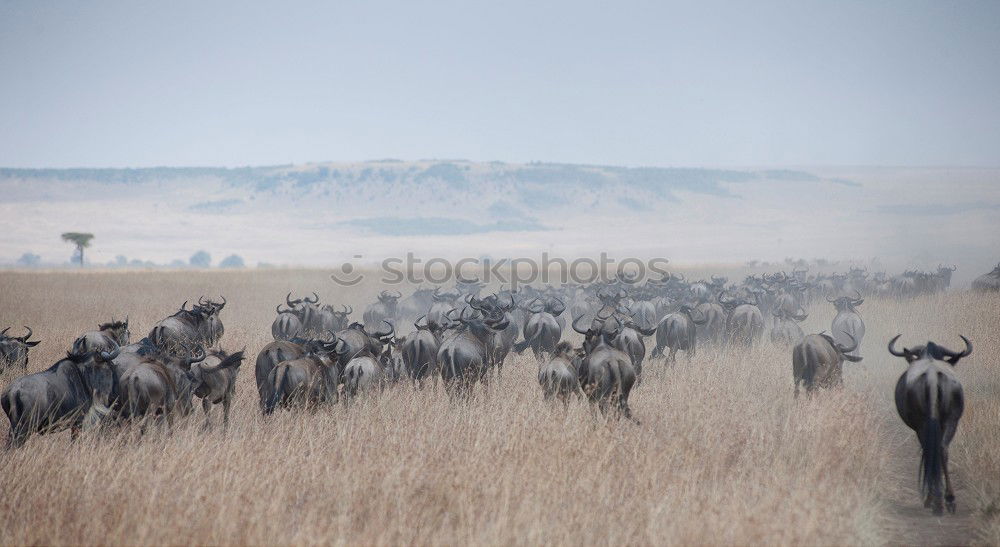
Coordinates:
(723, 455)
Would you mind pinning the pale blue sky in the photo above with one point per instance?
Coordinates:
(142, 83)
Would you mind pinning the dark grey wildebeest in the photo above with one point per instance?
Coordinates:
(333, 320)
(286, 325)
(818, 362)
(308, 311)
(75, 393)
(14, 350)
(606, 373)
(678, 331)
(198, 326)
(419, 352)
(557, 376)
(309, 380)
(541, 331)
(630, 341)
(930, 401)
(364, 374)
(215, 382)
(464, 356)
(847, 326)
(786, 330)
(107, 336)
(156, 386)
(269, 357)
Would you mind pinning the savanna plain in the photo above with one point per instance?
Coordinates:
(723, 453)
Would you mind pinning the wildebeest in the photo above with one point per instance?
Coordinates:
(268, 358)
(75, 392)
(107, 336)
(606, 374)
(630, 341)
(383, 310)
(464, 355)
(818, 361)
(215, 381)
(14, 350)
(333, 320)
(988, 282)
(786, 330)
(286, 325)
(745, 323)
(847, 323)
(359, 341)
(714, 329)
(307, 381)
(677, 331)
(200, 325)
(557, 376)
(157, 386)
(930, 401)
(365, 373)
(419, 352)
(541, 332)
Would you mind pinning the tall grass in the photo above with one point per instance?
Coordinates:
(723, 453)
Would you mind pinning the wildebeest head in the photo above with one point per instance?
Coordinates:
(782, 314)
(601, 330)
(389, 298)
(847, 303)
(210, 306)
(931, 350)
(842, 349)
(14, 349)
(117, 330)
(98, 377)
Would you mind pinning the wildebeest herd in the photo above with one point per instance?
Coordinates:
(461, 337)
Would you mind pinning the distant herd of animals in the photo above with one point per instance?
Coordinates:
(461, 338)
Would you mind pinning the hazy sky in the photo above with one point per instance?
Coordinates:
(137, 83)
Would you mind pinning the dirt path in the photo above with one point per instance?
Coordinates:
(910, 523)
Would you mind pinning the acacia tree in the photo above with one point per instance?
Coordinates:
(81, 240)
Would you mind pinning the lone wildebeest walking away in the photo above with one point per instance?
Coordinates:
(930, 401)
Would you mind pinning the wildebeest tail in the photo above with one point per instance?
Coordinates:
(234, 360)
(280, 376)
(14, 408)
(932, 443)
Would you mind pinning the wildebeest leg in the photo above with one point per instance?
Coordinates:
(74, 432)
(672, 358)
(949, 494)
(227, 403)
(206, 406)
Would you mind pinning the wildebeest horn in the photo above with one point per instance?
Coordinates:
(396, 295)
(347, 309)
(952, 357)
(223, 304)
(801, 317)
(535, 306)
(201, 300)
(110, 356)
(892, 349)
(831, 301)
(278, 309)
(559, 308)
(26, 336)
(577, 329)
(288, 300)
(198, 355)
(386, 334)
(314, 300)
(844, 349)
(4, 331)
(184, 306)
(417, 322)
